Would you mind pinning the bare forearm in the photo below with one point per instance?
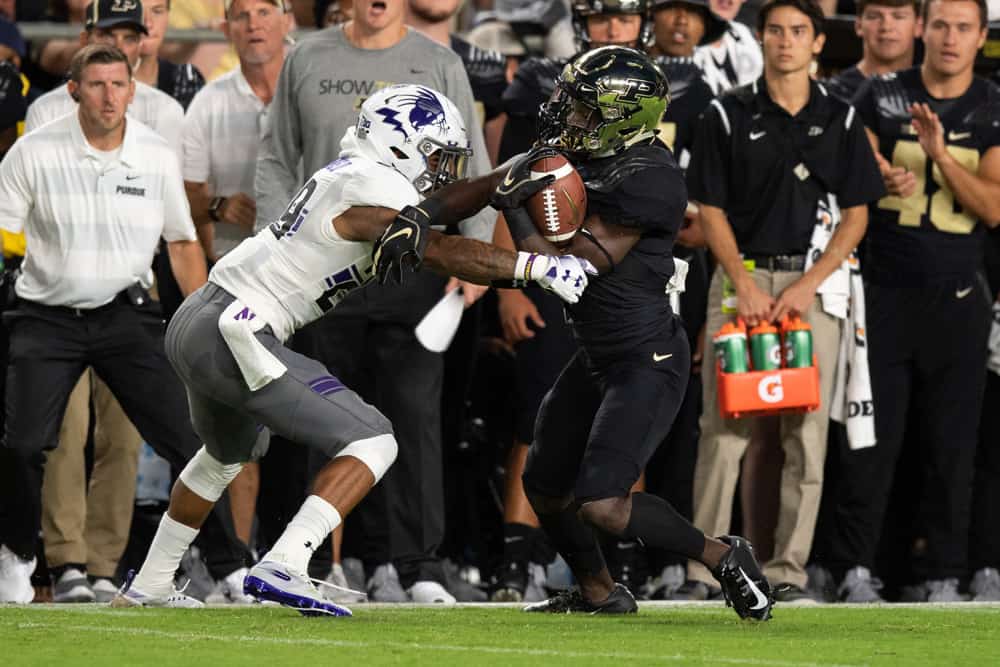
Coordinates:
(468, 259)
(978, 196)
(722, 242)
(198, 199)
(187, 261)
(465, 198)
(845, 238)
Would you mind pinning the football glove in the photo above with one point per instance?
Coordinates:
(518, 186)
(401, 246)
(564, 275)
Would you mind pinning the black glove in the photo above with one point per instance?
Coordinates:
(401, 246)
(517, 186)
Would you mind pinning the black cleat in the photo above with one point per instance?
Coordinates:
(743, 584)
(511, 582)
(572, 602)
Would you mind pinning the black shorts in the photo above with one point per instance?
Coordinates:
(540, 359)
(598, 426)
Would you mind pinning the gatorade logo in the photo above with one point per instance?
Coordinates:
(770, 390)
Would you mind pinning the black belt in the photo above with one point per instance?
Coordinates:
(123, 298)
(777, 262)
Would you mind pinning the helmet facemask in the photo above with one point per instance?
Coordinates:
(445, 164)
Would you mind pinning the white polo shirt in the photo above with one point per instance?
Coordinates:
(150, 106)
(222, 131)
(92, 220)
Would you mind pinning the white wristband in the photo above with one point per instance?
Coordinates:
(529, 267)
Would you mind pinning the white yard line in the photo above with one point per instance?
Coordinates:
(410, 646)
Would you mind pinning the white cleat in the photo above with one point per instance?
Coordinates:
(430, 592)
(15, 578)
(230, 589)
(129, 596)
(271, 581)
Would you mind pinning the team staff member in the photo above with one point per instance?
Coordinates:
(786, 143)
(86, 528)
(93, 192)
(936, 131)
(322, 84)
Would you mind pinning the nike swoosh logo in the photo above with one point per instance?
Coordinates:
(508, 180)
(660, 357)
(131, 178)
(281, 575)
(407, 232)
(958, 136)
(962, 293)
(761, 598)
(754, 136)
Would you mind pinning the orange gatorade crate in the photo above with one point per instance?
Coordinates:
(768, 392)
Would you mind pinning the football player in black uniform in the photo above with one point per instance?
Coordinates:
(936, 129)
(888, 30)
(532, 321)
(616, 399)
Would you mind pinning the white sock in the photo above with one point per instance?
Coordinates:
(315, 520)
(156, 577)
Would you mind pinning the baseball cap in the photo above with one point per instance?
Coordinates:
(280, 4)
(111, 13)
(10, 36)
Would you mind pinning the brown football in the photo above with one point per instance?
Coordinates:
(559, 209)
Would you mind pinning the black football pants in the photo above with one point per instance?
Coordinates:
(49, 349)
(927, 354)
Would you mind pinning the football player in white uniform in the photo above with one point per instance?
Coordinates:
(226, 340)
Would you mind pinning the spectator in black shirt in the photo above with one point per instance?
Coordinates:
(764, 157)
(888, 30)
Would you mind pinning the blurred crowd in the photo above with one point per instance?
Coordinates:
(907, 510)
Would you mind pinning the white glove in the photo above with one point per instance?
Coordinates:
(564, 275)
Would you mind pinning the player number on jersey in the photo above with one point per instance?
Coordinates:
(289, 222)
(942, 212)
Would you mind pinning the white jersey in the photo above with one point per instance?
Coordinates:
(298, 268)
(734, 60)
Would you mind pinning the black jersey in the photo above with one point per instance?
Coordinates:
(642, 187)
(181, 82)
(844, 85)
(533, 84)
(689, 96)
(487, 71)
(926, 237)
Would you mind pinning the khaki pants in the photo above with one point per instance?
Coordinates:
(81, 525)
(803, 440)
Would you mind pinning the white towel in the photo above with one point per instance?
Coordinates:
(843, 296)
(676, 284)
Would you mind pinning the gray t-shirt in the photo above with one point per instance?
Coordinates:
(323, 82)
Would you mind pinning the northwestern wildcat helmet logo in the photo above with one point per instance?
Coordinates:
(425, 110)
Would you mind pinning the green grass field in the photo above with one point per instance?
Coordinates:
(685, 635)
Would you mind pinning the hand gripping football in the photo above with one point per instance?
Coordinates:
(559, 209)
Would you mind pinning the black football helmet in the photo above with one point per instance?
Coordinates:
(584, 8)
(605, 101)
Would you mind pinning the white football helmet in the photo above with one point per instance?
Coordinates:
(417, 131)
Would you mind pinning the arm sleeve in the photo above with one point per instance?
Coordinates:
(862, 181)
(280, 150)
(480, 226)
(708, 171)
(16, 195)
(195, 142)
(177, 222)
